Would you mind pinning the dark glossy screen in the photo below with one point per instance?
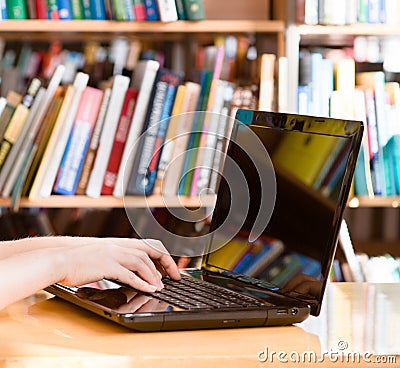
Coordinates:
(311, 164)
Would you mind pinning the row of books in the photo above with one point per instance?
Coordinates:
(343, 12)
(119, 10)
(118, 138)
(330, 86)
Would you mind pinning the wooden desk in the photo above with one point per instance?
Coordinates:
(43, 331)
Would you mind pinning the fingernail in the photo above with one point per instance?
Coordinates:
(151, 288)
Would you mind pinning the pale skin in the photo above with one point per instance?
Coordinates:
(31, 264)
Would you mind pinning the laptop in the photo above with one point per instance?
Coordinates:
(273, 235)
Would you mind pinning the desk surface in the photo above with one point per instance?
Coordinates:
(359, 322)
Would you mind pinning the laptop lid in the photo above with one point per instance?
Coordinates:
(280, 202)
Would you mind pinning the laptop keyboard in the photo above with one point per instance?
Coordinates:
(190, 293)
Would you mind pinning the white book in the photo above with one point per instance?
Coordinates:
(15, 158)
(143, 80)
(54, 82)
(184, 123)
(118, 90)
(167, 10)
(3, 102)
(61, 138)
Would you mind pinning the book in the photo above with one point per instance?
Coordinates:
(52, 10)
(60, 137)
(29, 144)
(167, 10)
(78, 141)
(139, 9)
(208, 141)
(42, 137)
(98, 10)
(15, 158)
(121, 134)
(151, 9)
(41, 9)
(144, 169)
(16, 9)
(17, 120)
(118, 91)
(143, 81)
(64, 9)
(77, 11)
(12, 101)
(181, 125)
(185, 177)
(194, 9)
(94, 144)
(180, 9)
(48, 153)
(169, 138)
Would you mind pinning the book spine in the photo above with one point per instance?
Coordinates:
(78, 142)
(86, 9)
(194, 9)
(180, 9)
(41, 9)
(138, 180)
(3, 10)
(151, 10)
(143, 81)
(77, 11)
(79, 84)
(97, 10)
(16, 9)
(94, 144)
(121, 134)
(12, 101)
(64, 9)
(162, 130)
(139, 9)
(52, 10)
(119, 88)
(167, 10)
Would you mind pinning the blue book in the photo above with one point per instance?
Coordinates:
(98, 10)
(152, 13)
(64, 9)
(3, 6)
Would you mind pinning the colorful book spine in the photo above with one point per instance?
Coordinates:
(167, 10)
(52, 10)
(86, 9)
(18, 119)
(152, 13)
(98, 10)
(64, 9)
(78, 142)
(139, 181)
(79, 84)
(41, 9)
(12, 101)
(180, 9)
(139, 10)
(194, 9)
(77, 11)
(143, 80)
(3, 10)
(16, 9)
(119, 88)
(128, 108)
(94, 144)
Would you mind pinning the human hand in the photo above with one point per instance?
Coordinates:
(137, 263)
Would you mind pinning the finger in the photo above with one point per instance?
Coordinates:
(139, 262)
(130, 278)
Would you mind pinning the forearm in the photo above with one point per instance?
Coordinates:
(10, 248)
(26, 273)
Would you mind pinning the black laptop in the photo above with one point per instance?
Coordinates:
(280, 201)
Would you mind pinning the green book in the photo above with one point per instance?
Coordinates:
(77, 11)
(16, 9)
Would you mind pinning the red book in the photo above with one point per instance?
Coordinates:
(41, 9)
(120, 137)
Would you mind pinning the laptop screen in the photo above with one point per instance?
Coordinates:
(281, 198)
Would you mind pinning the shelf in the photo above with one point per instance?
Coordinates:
(33, 28)
(350, 30)
(356, 202)
(60, 201)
